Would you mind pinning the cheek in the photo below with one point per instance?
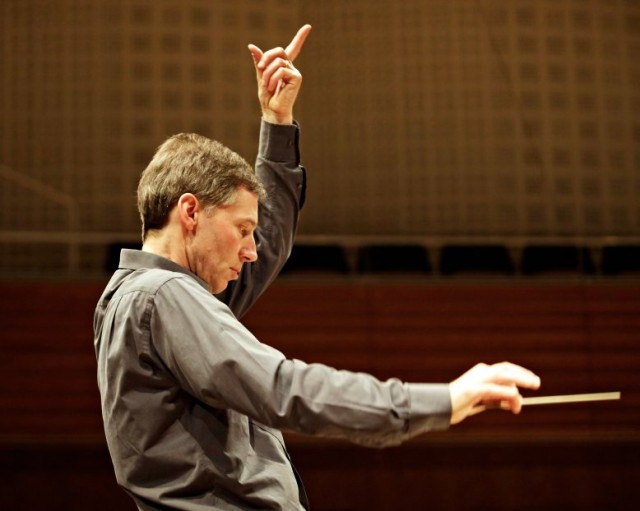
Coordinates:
(230, 245)
(222, 251)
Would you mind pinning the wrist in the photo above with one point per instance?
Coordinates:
(279, 142)
(277, 118)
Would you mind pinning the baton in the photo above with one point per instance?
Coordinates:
(570, 398)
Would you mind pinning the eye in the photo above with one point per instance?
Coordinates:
(246, 229)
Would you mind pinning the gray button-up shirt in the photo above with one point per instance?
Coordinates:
(193, 403)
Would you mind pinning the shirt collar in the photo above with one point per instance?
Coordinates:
(139, 260)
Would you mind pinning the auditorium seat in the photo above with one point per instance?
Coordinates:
(313, 259)
(476, 259)
(621, 260)
(539, 260)
(393, 259)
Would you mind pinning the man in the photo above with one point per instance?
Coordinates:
(192, 403)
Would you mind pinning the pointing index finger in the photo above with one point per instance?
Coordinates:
(296, 43)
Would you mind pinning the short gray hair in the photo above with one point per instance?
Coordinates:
(191, 163)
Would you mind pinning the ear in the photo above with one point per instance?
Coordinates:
(188, 209)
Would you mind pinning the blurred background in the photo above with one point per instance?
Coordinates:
(441, 121)
(473, 194)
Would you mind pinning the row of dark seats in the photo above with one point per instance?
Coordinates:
(450, 260)
(463, 259)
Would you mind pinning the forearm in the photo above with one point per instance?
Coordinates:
(318, 400)
(278, 167)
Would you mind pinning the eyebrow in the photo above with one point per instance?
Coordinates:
(249, 221)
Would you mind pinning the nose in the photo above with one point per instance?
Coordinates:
(249, 252)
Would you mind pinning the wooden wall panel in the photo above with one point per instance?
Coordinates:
(435, 332)
(48, 364)
(580, 337)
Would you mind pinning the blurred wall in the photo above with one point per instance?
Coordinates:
(436, 118)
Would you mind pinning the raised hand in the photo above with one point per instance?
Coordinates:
(278, 80)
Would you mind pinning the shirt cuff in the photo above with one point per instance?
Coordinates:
(279, 142)
(430, 407)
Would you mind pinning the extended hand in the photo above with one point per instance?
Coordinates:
(278, 80)
(492, 386)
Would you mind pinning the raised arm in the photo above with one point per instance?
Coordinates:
(279, 169)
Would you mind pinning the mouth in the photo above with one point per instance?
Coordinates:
(236, 272)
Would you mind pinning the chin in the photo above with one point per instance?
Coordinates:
(218, 288)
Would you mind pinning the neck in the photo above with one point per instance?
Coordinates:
(165, 244)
